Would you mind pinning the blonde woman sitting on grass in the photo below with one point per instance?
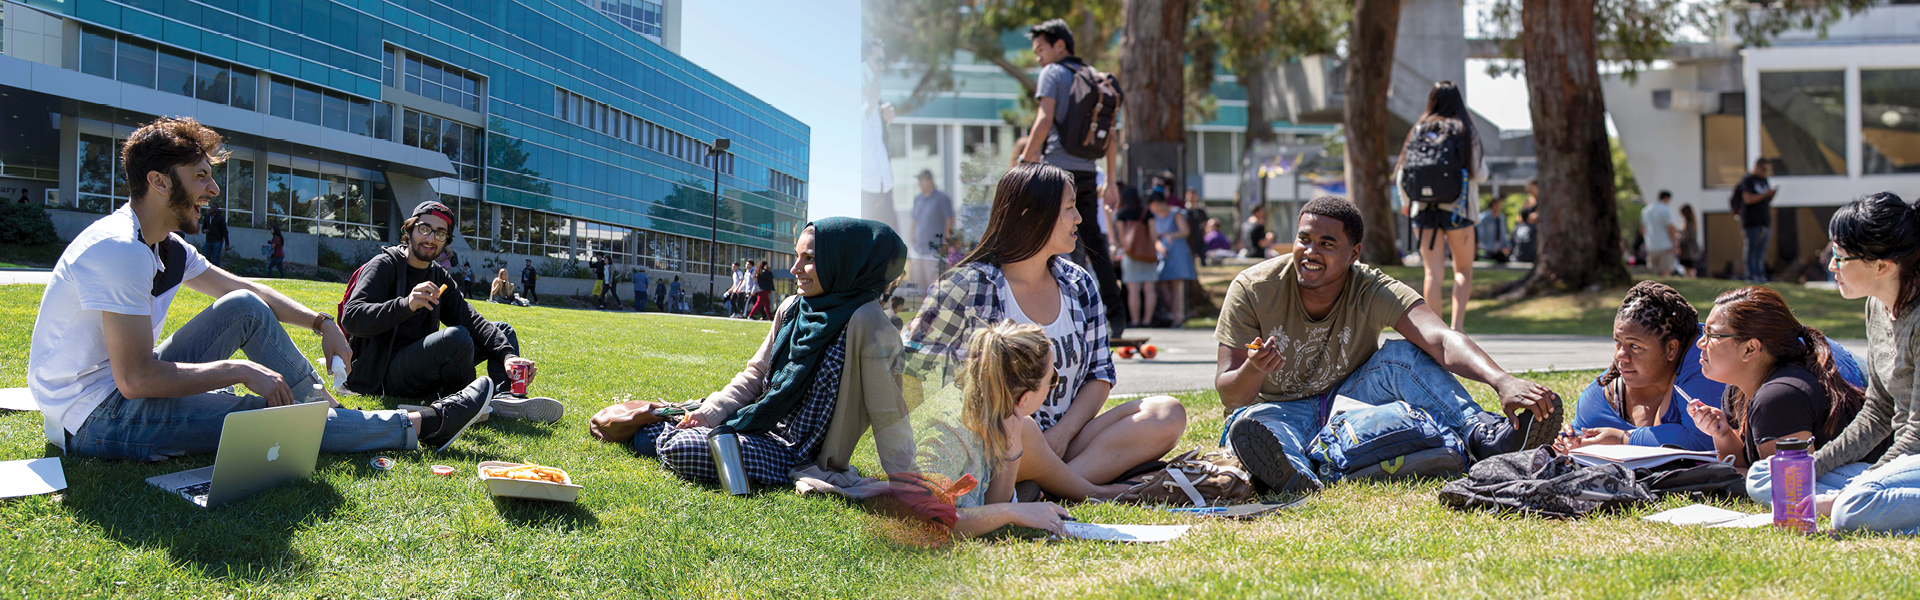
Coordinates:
(988, 432)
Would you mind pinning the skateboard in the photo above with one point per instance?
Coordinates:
(1128, 347)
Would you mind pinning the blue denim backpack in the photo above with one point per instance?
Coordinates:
(1379, 436)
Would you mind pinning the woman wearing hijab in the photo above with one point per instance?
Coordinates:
(823, 374)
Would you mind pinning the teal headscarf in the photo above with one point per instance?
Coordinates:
(854, 261)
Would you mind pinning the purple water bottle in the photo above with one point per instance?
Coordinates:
(1792, 472)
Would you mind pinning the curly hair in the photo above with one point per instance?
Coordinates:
(164, 144)
(1660, 309)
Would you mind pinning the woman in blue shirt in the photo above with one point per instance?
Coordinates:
(1642, 398)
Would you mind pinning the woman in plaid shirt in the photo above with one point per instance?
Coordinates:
(1019, 273)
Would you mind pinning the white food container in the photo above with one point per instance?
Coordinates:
(522, 488)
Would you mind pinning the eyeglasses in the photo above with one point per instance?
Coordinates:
(1712, 335)
(438, 233)
(1841, 259)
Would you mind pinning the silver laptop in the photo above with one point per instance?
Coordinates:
(259, 449)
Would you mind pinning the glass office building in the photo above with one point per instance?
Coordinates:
(555, 127)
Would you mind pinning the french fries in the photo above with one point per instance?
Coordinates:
(1254, 345)
(443, 290)
(528, 472)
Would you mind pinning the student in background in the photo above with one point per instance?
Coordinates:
(1446, 225)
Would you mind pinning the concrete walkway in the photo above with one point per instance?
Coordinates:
(1186, 358)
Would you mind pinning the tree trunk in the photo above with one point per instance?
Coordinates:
(1579, 230)
(1150, 74)
(1370, 44)
(1259, 123)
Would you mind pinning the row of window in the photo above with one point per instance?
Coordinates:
(330, 109)
(536, 233)
(586, 112)
(463, 144)
(131, 60)
(641, 16)
(1803, 121)
(783, 183)
(432, 79)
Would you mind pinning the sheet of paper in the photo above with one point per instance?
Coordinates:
(31, 477)
(1125, 533)
(1697, 514)
(17, 399)
(1748, 522)
(1634, 457)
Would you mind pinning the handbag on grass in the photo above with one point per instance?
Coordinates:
(1192, 479)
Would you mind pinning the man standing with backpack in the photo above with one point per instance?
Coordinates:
(1074, 125)
(1752, 201)
(395, 307)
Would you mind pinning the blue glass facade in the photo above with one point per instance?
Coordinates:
(509, 59)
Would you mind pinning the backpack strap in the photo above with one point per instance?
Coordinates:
(1180, 478)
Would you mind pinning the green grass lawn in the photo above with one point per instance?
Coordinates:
(1587, 313)
(637, 531)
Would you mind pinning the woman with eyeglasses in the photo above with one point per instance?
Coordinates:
(1782, 380)
(1643, 397)
(1868, 476)
(1019, 272)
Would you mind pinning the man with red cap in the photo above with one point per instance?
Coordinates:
(395, 309)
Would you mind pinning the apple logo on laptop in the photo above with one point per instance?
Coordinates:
(273, 453)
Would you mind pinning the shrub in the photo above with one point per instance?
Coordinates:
(26, 225)
(332, 259)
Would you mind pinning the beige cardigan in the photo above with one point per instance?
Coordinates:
(869, 393)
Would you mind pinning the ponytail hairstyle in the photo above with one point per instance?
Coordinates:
(1004, 361)
(1883, 227)
(1759, 313)
(1662, 310)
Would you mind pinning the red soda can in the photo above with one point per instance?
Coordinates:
(518, 374)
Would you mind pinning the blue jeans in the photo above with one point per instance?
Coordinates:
(1757, 252)
(1398, 371)
(159, 428)
(213, 252)
(1884, 500)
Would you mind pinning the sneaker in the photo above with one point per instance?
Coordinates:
(1266, 458)
(1432, 462)
(536, 408)
(459, 411)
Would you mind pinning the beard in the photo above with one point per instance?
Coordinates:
(416, 248)
(182, 206)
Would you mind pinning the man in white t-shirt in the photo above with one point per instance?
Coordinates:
(1656, 227)
(94, 368)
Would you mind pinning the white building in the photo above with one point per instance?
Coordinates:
(1839, 116)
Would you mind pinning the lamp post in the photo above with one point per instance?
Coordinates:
(714, 152)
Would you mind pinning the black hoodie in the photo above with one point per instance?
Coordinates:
(377, 318)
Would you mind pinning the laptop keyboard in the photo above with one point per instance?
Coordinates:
(196, 493)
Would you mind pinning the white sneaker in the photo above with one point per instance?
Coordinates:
(531, 408)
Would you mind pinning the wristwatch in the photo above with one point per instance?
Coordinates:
(317, 320)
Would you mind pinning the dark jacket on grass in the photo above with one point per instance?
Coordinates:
(378, 319)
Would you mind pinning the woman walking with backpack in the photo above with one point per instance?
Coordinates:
(1439, 164)
(1139, 262)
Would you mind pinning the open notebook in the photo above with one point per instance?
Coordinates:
(1635, 457)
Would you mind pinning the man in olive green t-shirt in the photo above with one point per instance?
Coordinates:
(1317, 316)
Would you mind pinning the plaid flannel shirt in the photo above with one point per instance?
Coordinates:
(967, 297)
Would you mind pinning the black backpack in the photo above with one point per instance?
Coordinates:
(1433, 170)
(1089, 114)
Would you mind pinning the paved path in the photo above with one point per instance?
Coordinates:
(1186, 357)
(12, 276)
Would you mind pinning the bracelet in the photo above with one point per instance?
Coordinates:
(317, 320)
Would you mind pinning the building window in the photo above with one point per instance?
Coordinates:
(96, 52)
(1723, 150)
(1889, 121)
(433, 80)
(176, 72)
(1219, 152)
(101, 188)
(1803, 122)
(461, 143)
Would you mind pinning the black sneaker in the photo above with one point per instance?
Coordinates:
(459, 411)
(1266, 458)
(536, 408)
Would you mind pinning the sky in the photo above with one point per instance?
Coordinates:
(803, 57)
